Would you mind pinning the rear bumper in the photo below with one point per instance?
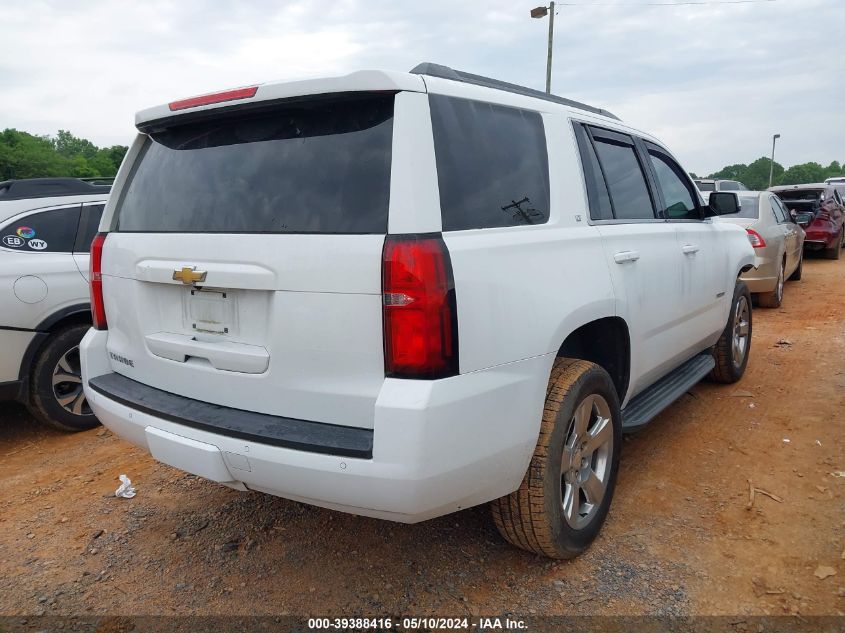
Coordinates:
(437, 446)
(763, 277)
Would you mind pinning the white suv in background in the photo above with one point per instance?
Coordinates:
(46, 229)
(401, 295)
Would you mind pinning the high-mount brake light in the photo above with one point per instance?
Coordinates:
(215, 97)
(755, 238)
(419, 308)
(95, 279)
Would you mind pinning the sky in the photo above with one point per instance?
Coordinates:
(713, 81)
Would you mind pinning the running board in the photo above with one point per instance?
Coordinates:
(646, 405)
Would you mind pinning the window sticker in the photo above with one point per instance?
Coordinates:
(13, 241)
(25, 232)
(38, 245)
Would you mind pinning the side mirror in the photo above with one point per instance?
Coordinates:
(724, 203)
(803, 219)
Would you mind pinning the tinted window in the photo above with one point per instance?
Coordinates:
(677, 194)
(320, 166)
(728, 185)
(625, 180)
(47, 232)
(749, 208)
(706, 186)
(492, 165)
(89, 221)
(599, 198)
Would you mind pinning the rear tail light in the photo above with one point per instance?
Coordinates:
(95, 276)
(419, 308)
(216, 97)
(755, 238)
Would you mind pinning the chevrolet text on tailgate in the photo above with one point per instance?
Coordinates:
(405, 294)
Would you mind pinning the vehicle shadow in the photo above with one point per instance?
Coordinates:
(17, 426)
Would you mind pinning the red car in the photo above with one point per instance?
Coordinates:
(820, 209)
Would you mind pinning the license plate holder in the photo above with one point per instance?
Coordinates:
(210, 310)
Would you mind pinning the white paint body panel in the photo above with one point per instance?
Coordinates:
(314, 303)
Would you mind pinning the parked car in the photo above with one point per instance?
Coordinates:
(46, 228)
(778, 245)
(708, 185)
(404, 294)
(822, 213)
(836, 180)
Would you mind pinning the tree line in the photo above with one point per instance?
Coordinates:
(24, 155)
(756, 175)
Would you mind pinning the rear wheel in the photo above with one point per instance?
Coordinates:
(732, 349)
(834, 251)
(566, 492)
(56, 396)
(796, 275)
(774, 298)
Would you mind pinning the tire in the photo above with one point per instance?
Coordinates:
(774, 298)
(835, 251)
(533, 517)
(796, 274)
(729, 368)
(64, 406)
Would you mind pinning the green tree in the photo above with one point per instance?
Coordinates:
(24, 155)
(803, 174)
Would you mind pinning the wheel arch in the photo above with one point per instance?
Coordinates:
(605, 341)
(76, 314)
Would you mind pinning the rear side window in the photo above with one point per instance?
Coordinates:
(625, 178)
(597, 194)
(52, 231)
(316, 166)
(492, 164)
(89, 221)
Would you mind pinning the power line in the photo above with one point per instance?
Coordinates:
(658, 4)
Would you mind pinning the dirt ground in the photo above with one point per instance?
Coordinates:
(680, 539)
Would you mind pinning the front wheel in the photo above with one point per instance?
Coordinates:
(732, 349)
(565, 495)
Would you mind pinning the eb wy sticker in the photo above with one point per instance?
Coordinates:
(38, 245)
(13, 241)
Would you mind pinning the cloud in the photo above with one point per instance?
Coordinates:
(714, 82)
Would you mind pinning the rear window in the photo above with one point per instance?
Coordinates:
(317, 166)
(749, 208)
(706, 186)
(492, 164)
(810, 195)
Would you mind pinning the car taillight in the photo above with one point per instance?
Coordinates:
(419, 308)
(755, 238)
(95, 277)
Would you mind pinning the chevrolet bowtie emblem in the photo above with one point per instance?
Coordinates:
(189, 275)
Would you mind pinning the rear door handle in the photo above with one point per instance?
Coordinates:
(690, 249)
(626, 256)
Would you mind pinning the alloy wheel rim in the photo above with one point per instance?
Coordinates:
(740, 331)
(586, 461)
(67, 384)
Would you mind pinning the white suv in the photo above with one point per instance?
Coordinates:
(46, 228)
(401, 295)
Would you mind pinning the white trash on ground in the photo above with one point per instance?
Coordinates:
(125, 489)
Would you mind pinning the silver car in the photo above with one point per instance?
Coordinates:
(778, 245)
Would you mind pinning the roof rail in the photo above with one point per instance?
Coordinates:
(444, 72)
(49, 188)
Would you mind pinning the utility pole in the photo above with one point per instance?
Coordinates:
(772, 164)
(541, 12)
